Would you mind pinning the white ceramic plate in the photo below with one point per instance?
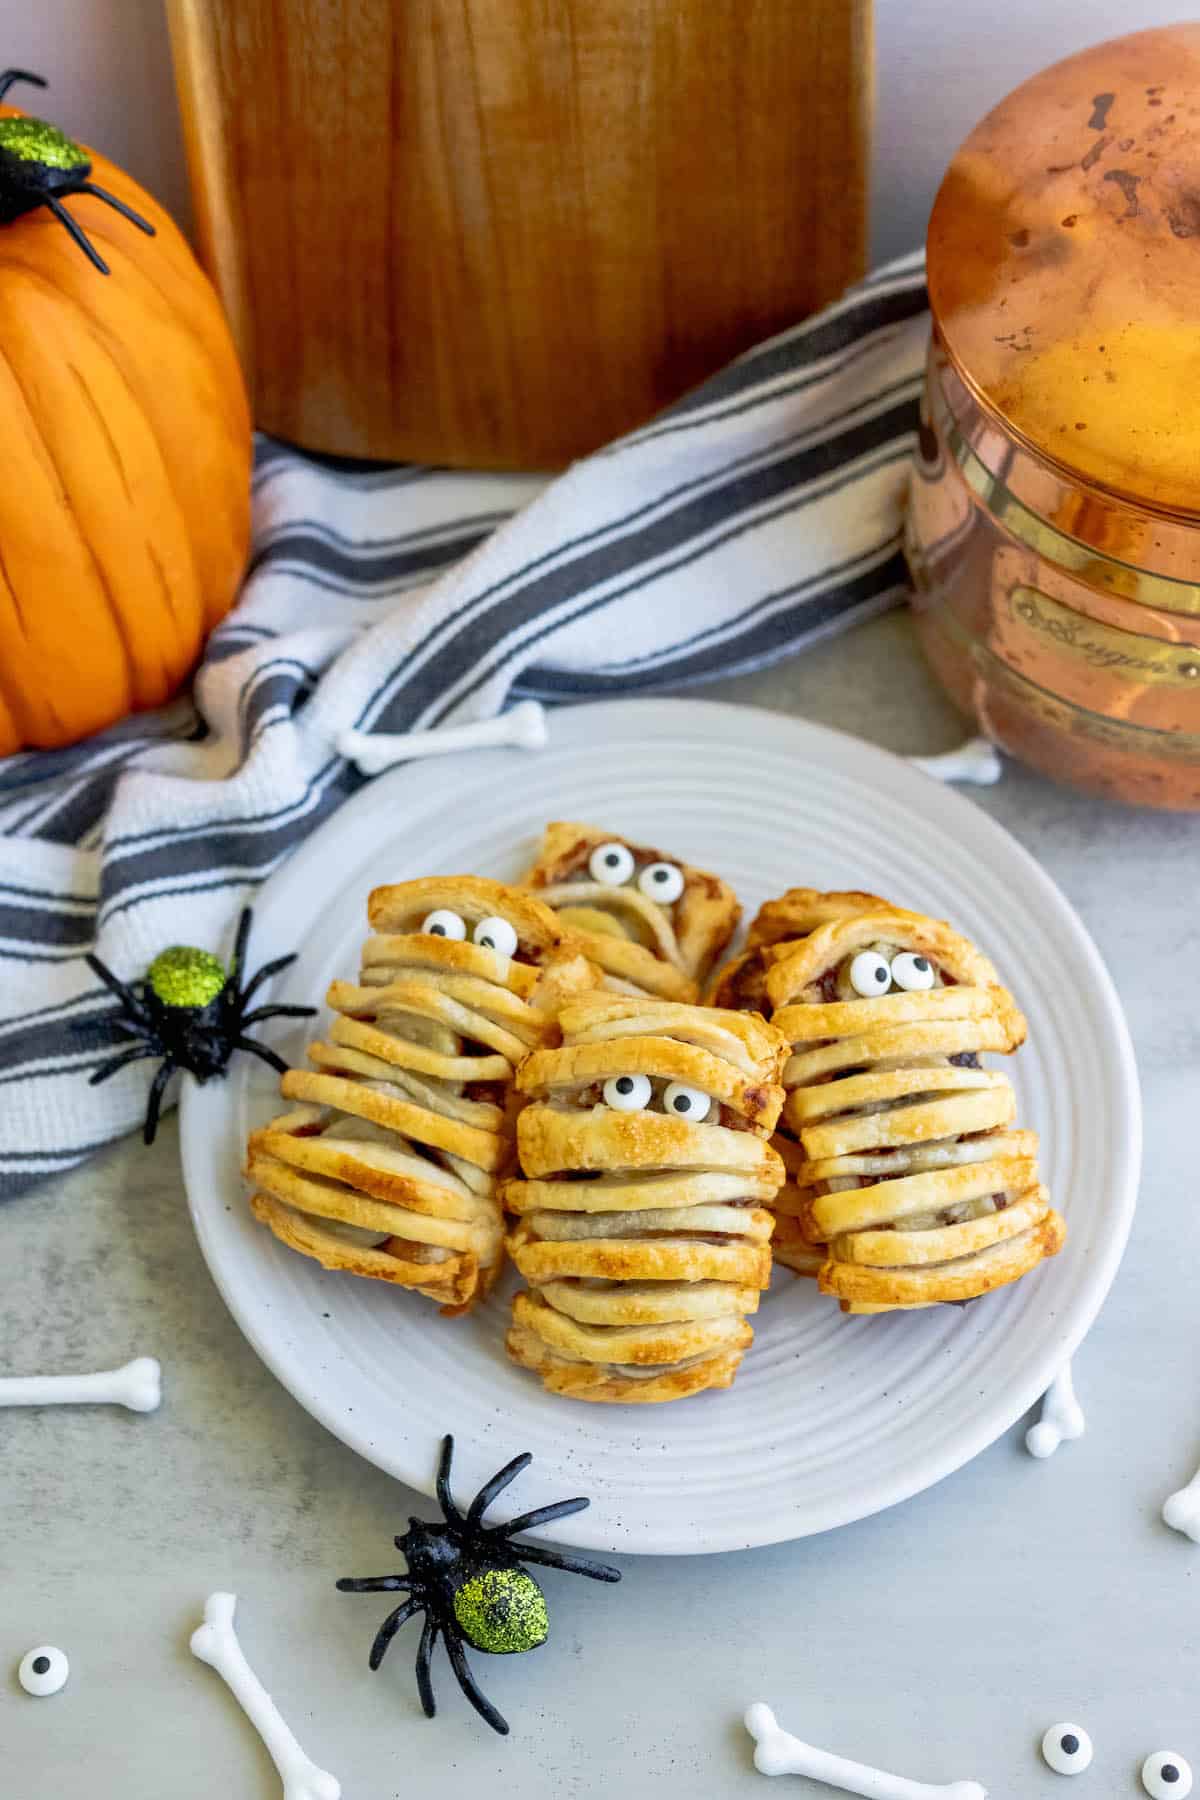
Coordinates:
(831, 1418)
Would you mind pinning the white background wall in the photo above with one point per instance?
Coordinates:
(940, 65)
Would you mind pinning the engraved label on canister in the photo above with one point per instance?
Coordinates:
(1102, 646)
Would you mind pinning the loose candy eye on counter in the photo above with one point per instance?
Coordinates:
(1166, 1776)
(43, 1671)
(1067, 1749)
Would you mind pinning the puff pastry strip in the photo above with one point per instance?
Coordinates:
(628, 1386)
(642, 1233)
(639, 944)
(774, 932)
(388, 1168)
(905, 1174)
(741, 983)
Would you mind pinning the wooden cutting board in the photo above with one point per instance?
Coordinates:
(496, 233)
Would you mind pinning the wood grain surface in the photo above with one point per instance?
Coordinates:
(498, 232)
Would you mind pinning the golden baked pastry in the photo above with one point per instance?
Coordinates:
(650, 924)
(774, 931)
(904, 1160)
(776, 926)
(641, 1222)
(388, 1164)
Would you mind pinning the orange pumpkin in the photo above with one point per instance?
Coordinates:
(125, 451)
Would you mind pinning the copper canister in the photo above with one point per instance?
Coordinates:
(1054, 519)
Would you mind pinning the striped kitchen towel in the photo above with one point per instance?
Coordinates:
(760, 513)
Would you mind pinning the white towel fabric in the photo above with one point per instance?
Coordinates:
(760, 513)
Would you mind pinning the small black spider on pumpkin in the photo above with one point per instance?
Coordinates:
(192, 1012)
(467, 1579)
(41, 166)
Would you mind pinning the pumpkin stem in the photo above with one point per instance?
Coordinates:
(13, 75)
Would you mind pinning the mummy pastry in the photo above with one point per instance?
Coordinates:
(908, 1165)
(388, 1164)
(777, 928)
(642, 1228)
(651, 924)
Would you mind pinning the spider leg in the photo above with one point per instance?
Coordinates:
(11, 75)
(469, 1686)
(265, 974)
(373, 1584)
(134, 1027)
(158, 1088)
(115, 985)
(496, 1485)
(276, 1012)
(126, 212)
(571, 1565)
(239, 950)
(118, 1062)
(261, 1051)
(445, 1498)
(541, 1516)
(77, 232)
(425, 1649)
(389, 1628)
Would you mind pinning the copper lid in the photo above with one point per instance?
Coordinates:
(1064, 264)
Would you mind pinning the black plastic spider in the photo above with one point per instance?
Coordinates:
(191, 1012)
(466, 1577)
(40, 166)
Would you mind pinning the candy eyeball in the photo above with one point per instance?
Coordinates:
(496, 934)
(661, 881)
(627, 1093)
(611, 864)
(686, 1102)
(1067, 1749)
(870, 974)
(43, 1671)
(911, 972)
(444, 923)
(1166, 1776)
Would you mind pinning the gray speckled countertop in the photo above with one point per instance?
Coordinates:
(938, 1639)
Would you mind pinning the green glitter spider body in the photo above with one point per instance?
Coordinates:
(182, 976)
(33, 140)
(41, 166)
(502, 1611)
(192, 1012)
(466, 1577)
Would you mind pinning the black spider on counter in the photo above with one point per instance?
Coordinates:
(467, 1579)
(192, 1013)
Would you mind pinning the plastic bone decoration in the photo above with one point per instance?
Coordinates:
(215, 1642)
(1062, 1419)
(522, 727)
(136, 1385)
(777, 1752)
(1181, 1510)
